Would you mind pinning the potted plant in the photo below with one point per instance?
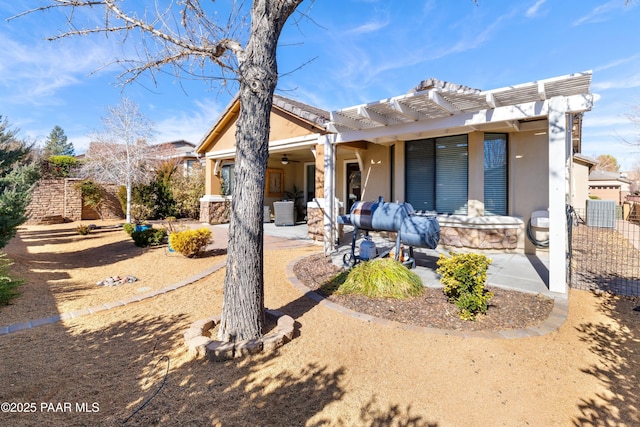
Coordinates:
(297, 197)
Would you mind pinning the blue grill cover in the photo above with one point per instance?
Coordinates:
(420, 231)
(380, 215)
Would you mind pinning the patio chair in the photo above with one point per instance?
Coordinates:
(284, 213)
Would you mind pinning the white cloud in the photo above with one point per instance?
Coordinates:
(34, 73)
(369, 27)
(619, 83)
(533, 10)
(190, 125)
(599, 13)
(617, 63)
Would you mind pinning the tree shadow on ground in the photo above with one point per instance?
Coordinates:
(62, 236)
(122, 367)
(619, 365)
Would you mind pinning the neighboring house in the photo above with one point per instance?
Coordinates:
(605, 185)
(183, 152)
(484, 161)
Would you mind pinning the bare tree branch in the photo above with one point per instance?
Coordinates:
(186, 42)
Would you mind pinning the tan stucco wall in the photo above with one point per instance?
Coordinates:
(529, 174)
(281, 128)
(528, 178)
(580, 185)
(606, 192)
(476, 174)
(375, 175)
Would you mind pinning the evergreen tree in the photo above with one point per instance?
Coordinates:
(17, 177)
(57, 144)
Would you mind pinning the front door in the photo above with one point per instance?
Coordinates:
(354, 189)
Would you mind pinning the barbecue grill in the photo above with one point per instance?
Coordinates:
(413, 229)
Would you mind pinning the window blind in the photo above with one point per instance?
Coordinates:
(495, 174)
(437, 174)
(452, 174)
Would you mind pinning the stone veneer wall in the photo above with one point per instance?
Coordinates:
(500, 239)
(215, 211)
(55, 201)
(315, 223)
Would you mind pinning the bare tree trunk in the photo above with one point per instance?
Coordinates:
(243, 306)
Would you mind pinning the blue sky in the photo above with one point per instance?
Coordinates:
(343, 53)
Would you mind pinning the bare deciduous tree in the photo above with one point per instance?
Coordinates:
(606, 162)
(193, 39)
(120, 153)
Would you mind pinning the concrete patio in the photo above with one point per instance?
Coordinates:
(526, 273)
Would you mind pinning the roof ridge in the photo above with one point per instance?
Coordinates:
(433, 83)
(314, 114)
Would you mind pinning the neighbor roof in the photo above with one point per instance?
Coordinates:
(598, 175)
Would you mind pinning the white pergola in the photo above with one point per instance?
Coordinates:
(442, 108)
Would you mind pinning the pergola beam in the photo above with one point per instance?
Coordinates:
(364, 111)
(542, 93)
(491, 100)
(338, 119)
(406, 111)
(437, 99)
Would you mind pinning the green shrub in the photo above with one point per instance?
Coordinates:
(60, 166)
(187, 190)
(379, 278)
(190, 242)
(83, 230)
(128, 228)
(8, 285)
(149, 237)
(93, 195)
(464, 277)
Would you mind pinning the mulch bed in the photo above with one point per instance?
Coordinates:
(508, 309)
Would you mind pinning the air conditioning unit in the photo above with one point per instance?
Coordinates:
(601, 213)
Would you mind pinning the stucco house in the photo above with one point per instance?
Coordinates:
(606, 185)
(483, 160)
(182, 152)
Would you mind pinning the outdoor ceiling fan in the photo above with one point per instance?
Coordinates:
(285, 160)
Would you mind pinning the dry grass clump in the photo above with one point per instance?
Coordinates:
(380, 278)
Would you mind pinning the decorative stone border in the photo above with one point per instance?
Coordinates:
(200, 345)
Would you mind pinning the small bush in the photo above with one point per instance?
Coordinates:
(128, 228)
(93, 195)
(83, 230)
(190, 242)
(464, 277)
(380, 278)
(8, 285)
(149, 237)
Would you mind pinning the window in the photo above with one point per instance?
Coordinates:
(310, 191)
(495, 174)
(189, 166)
(226, 180)
(392, 171)
(437, 174)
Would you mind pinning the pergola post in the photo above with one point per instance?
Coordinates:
(558, 163)
(329, 194)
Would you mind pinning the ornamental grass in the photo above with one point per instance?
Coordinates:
(379, 278)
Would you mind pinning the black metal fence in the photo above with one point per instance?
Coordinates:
(605, 248)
